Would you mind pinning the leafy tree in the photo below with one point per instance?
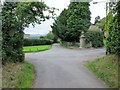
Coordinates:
(59, 28)
(72, 21)
(110, 25)
(95, 37)
(101, 23)
(15, 17)
(79, 19)
(118, 31)
(50, 36)
(113, 39)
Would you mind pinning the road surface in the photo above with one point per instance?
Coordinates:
(64, 68)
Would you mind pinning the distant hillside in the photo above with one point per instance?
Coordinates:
(37, 35)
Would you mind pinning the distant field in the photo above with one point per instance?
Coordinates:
(36, 48)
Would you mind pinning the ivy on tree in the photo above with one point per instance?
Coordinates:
(15, 17)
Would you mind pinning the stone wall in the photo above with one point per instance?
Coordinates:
(67, 44)
(75, 44)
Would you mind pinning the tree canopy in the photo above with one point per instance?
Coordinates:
(15, 17)
(59, 28)
(72, 21)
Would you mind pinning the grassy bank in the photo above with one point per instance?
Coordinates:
(106, 69)
(17, 75)
(36, 48)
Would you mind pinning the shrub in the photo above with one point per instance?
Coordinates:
(33, 42)
(95, 37)
(50, 36)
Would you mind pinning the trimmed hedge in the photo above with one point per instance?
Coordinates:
(95, 37)
(34, 42)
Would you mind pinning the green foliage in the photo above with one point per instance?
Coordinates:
(113, 39)
(26, 76)
(111, 28)
(0, 45)
(101, 24)
(95, 37)
(34, 42)
(53, 37)
(79, 19)
(117, 30)
(72, 21)
(42, 37)
(59, 28)
(50, 36)
(15, 17)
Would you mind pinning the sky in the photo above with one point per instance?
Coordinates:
(96, 10)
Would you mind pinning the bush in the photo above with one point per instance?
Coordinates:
(50, 36)
(95, 37)
(34, 42)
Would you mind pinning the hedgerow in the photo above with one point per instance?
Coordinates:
(34, 42)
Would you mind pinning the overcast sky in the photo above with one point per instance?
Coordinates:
(96, 10)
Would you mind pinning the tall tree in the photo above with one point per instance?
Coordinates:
(59, 28)
(15, 17)
(72, 21)
(79, 19)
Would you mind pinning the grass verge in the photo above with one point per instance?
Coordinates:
(106, 69)
(36, 48)
(17, 75)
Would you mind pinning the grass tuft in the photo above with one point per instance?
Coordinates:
(26, 77)
(106, 68)
(17, 75)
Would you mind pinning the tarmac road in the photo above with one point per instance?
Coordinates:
(64, 68)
